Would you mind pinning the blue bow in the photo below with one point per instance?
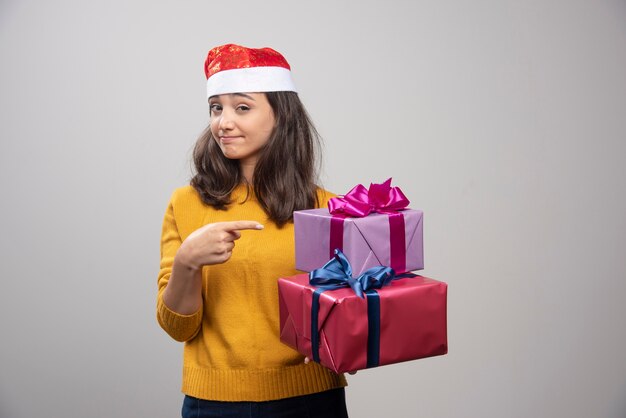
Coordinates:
(337, 273)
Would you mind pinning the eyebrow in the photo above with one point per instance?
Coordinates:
(243, 95)
(235, 94)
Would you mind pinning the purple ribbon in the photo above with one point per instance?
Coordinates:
(360, 202)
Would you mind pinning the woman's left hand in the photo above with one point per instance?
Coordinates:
(308, 360)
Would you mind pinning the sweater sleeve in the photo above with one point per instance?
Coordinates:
(178, 326)
(323, 196)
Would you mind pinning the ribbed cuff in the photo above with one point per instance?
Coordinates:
(178, 326)
(259, 385)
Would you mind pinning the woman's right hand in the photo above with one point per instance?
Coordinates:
(212, 243)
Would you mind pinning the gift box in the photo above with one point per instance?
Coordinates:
(372, 228)
(404, 320)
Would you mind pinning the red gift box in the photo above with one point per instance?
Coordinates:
(412, 322)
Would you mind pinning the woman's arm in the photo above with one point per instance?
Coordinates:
(183, 292)
(179, 300)
(180, 324)
(210, 244)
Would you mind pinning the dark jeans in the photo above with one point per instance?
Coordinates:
(328, 404)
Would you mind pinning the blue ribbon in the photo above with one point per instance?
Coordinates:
(336, 274)
(373, 328)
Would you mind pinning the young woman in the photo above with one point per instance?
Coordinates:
(228, 236)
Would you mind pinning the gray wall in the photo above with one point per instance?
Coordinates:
(502, 120)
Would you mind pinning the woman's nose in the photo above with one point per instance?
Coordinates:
(226, 121)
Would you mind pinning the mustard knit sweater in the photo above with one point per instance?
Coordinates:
(232, 347)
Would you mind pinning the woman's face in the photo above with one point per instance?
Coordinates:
(241, 124)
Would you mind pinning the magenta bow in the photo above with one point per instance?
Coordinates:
(360, 202)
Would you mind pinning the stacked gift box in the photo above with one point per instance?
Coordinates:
(359, 306)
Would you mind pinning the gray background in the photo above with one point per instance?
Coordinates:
(503, 120)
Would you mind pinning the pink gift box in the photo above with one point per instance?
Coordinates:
(373, 240)
(412, 315)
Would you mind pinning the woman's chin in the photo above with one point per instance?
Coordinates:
(230, 153)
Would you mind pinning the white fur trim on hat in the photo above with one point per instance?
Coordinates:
(250, 80)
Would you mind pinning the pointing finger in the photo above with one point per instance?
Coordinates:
(233, 235)
(240, 225)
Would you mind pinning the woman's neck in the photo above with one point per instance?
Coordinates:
(247, 170)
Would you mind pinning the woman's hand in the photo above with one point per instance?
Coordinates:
(212, 243)
(308, 360)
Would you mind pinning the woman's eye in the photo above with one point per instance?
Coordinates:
(243, 108)
(215, 108)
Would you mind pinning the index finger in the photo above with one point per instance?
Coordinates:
(239, 225)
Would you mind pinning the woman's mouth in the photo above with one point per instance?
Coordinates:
(228, 139)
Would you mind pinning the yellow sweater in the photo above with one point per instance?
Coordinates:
(232, 347)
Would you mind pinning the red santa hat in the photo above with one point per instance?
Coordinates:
(236, 69)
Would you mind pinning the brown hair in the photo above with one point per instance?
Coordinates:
(285, 174)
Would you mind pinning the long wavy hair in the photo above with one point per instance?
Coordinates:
(285, 174)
